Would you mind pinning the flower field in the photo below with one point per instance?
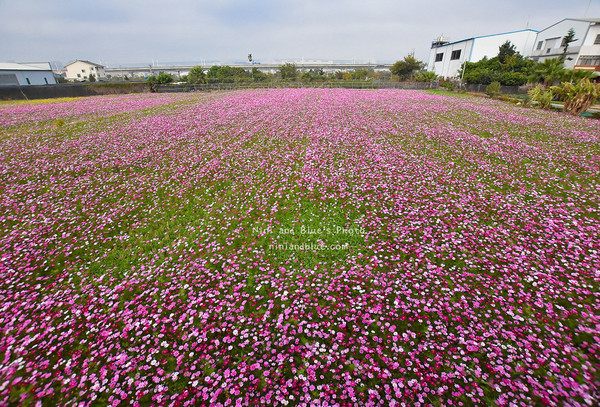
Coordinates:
(298, 247)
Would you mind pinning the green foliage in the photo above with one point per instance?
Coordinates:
(575, 75)
(548, 72)
(506, 50)
(152, 83)
(512, 78)
(577, 97)
(542, 97)
(425, 76)
(164, 78)
(288, 71)
(493, 89)
(92, 78)
(226, 74)
(196, 75)
(508, 68)
(258, 75)
(407, 67)
(566, 41)
(313, 75)
(447, 85)
(477, 73)
(359, 74)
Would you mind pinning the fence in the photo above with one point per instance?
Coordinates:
(62, 90)
(92, 89)
(297, 85)
(507, 90)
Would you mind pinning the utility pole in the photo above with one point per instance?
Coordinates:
(251, 68)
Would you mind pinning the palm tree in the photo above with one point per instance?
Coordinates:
(548, 72)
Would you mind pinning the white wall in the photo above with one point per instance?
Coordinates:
(489, 46)
(551, 39)
(448, 67)
(476, 49)
(588, 48)
(35, 77)
(84, 70)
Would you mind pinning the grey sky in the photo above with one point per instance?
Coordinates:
(133, 31)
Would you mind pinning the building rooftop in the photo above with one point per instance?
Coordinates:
(12, 66)
(484, 36)
(86, 62)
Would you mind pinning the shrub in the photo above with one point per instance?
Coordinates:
(196, 75)
(152, 83)
(577, 97)
(541, 97)
(512, 78)
(164, 78)
(493, 89)
(447, 85)
(425, 76)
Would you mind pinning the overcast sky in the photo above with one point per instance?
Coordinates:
(117, 32)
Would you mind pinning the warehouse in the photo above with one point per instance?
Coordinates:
(38, 73)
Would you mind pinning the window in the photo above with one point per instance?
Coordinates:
(455, 54)
(548, 50)
(9, 79)
(539, 46)
(28, 81)
(589, 60)
(46, 80)
(79, 75)
(597, 40)
(439, 57)
(83, 70)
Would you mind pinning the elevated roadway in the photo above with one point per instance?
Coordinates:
(182, 69)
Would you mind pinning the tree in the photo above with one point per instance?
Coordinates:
(405, 68)
(506, 50)
(359, 74)
(92, 78)
(196, 75)
(548, 72)
(567, 39)
(152, 83)
(513, 70)
(258, 75)
(226, 74)
(288, 71)
(164, 78)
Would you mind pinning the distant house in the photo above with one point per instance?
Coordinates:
(446, 58)
(584, 53)
(35, 73)
(80, 70)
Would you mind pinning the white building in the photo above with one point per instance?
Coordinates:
(35, 73)
(80, 70)
(584, 53)
(446, 58)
